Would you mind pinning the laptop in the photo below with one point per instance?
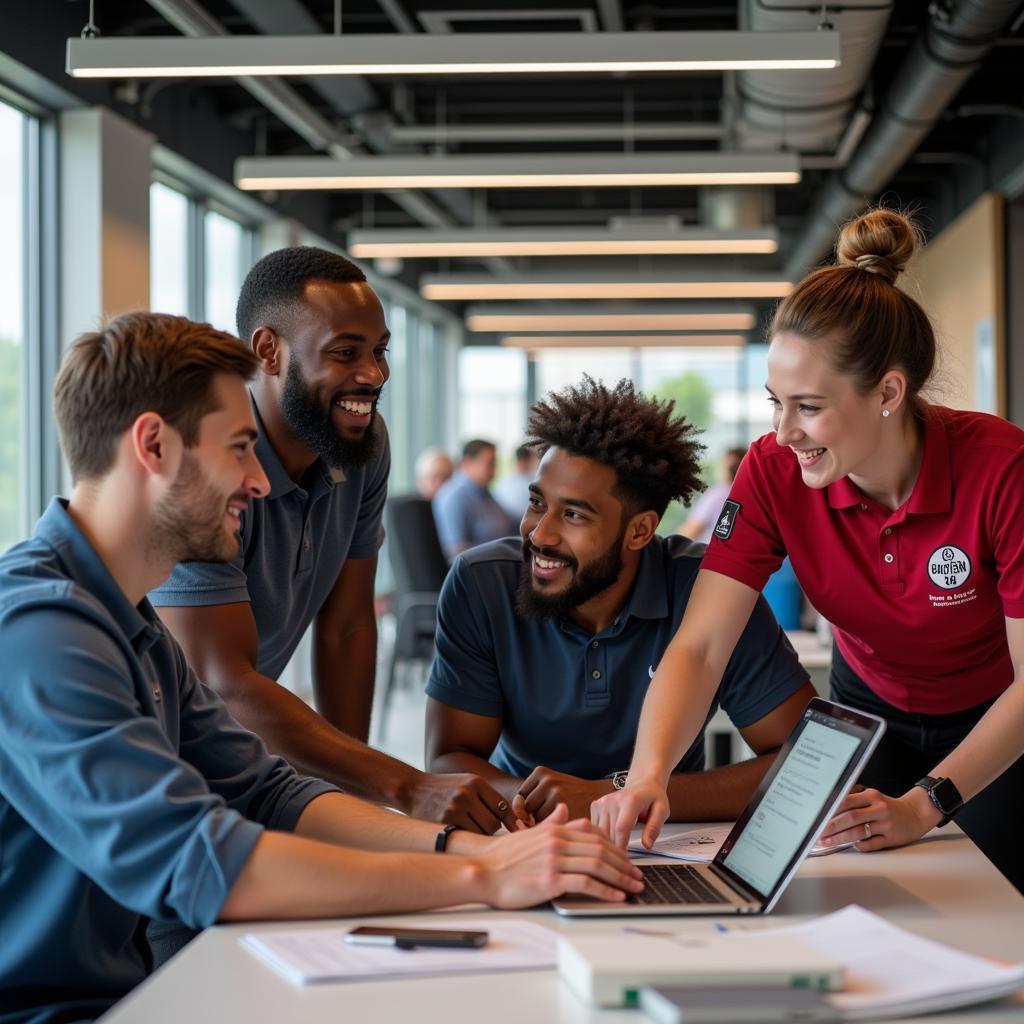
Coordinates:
(816, 767)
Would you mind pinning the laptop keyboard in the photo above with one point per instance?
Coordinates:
(676, 883)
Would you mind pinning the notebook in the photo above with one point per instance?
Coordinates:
(819, 762)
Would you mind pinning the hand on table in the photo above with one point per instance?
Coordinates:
(459, 799)
(545, 789)
(559, 856)
(876, 821)
(616, 813)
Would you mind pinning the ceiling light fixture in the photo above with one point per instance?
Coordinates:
(457, 54)
(483, 318)
(515, 170)
(535, 341)
(451, 288)
(568, 241)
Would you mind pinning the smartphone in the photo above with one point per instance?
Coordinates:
(409, 938)
(735, 1005)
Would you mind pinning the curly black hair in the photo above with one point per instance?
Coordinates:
(276, 282)
(655, 455)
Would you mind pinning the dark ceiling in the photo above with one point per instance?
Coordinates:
(955, 162)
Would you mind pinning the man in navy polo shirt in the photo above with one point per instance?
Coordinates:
(545, 648)
(126, 789)
(309, 548)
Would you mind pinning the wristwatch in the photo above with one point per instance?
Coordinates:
(944, 795)
(619, 779)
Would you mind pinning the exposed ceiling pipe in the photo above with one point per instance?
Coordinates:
(944, 56)
(564, 132)
(191, 19)
(807, 110)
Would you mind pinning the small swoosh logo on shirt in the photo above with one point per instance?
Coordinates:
(650, 671)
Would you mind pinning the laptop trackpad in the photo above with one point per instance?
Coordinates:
(823, 894)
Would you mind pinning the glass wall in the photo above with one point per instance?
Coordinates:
(227, 257)
(493, 398)
(169, 251)
(15, 228)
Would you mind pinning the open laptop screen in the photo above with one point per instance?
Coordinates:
(813, 771)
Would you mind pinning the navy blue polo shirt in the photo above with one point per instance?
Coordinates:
(294, 543)
(569, 700)
(126, 789)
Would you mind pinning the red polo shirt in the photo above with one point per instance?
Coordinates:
(917, 597)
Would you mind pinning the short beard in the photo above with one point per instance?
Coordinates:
(585, 584)
(188, 524)
(312, 425)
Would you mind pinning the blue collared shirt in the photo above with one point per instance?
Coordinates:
(467, 514)
(294, 544)
(126, 788)
(569, 700)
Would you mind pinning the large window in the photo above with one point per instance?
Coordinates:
(15, 227)
(169, 251)
(226, 260)
(198, 257)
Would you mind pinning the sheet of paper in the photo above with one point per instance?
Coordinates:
(309, 955)
(892, 971)
(702, 844)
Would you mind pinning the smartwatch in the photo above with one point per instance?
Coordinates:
(944, 795)
(441, 842)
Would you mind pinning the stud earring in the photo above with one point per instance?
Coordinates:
(885, 413)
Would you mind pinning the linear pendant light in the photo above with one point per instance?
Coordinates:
(536, 341)
(452, 288)
(564, 170)
(461, 54)
(568, 318)
(566, 241)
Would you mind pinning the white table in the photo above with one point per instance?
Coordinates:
(941, 888)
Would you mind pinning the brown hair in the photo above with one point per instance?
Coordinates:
(139, 362)
(870, 324)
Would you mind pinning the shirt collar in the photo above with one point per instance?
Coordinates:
(280, 482)
(649, 597)
(933, 490)
(60, 531)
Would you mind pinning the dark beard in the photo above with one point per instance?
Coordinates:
(585, 585)
(188, 524)
(312, 425)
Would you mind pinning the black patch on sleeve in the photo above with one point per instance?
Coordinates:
(727, 520)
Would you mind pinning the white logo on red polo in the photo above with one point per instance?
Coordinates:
(949, 567)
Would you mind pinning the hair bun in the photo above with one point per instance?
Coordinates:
(880, 242)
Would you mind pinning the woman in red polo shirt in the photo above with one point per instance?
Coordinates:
(904, 524)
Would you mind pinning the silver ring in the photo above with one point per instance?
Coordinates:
(502, 807)
(867, 829)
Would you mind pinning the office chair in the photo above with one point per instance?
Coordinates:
(419, 568)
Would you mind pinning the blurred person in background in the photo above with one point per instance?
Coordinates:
(512, 491)
(434, 469)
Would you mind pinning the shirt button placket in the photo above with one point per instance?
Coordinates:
(596, 676)
(889, 555)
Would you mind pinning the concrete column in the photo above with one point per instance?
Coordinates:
(105, 173)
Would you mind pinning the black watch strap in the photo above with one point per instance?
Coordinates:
(441, 842)
(944, 795)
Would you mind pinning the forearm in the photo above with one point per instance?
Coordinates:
(719, 794)
(463, 761)
(343, 820)
(990, 747)
(673, 714)
(291, 728)
(292, 876)
(344, 670)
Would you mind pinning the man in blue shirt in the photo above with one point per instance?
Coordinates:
(465, 511)
(545, 648)
(126, 789)
(309, 547)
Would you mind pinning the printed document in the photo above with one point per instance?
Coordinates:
(308, 955)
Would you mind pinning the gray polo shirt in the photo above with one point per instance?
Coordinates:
(294, 543)
(467, 514)
(126, 788)
(569, 700)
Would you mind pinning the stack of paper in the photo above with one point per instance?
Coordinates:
(310, 955)
(891, 972)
